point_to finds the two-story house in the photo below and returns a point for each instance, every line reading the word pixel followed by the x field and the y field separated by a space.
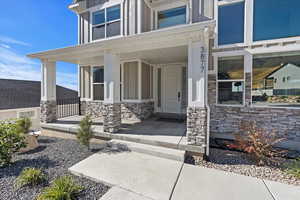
pixel 202 59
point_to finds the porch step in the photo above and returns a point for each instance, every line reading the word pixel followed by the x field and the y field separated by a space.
pixel 162 152
pixel 170 116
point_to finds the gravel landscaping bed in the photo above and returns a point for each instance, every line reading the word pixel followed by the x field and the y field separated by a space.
pixel 237 162
pixel 54 156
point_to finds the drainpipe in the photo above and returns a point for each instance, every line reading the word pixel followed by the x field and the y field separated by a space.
pixel 207 129
pixel 206 103
pixel 208 117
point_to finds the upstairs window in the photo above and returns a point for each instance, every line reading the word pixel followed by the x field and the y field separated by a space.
pixel 276 19
pixel 106 23
pixel 172 17
pixel 231 23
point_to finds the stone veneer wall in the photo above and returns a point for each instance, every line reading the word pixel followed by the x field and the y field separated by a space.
pixel 129 111
pixel 197 126
pixel 111 117
pixel 93 108
pixel 225 120
pixel 137 111
pixel 48 111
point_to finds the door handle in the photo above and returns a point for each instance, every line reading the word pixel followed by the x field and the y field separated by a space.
pixel 179 96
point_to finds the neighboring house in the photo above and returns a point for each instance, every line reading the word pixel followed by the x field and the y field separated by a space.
pixel 195 58
pixel 285 80
pixel 20 98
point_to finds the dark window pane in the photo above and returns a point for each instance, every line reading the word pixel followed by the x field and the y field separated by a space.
pixel 230 68
pixel 113 29
pixel 172 17
pixel 99 17
pixel 99 32
pixel 231 23
pixel 276 80
pixel 98 75
pixel 278 19
pixel 113 13
pixel 99 92
pixel 231 93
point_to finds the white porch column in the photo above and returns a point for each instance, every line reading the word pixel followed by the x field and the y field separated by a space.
pixel 112 105
pixel 197 68
pixel 48 92
pixel 197 84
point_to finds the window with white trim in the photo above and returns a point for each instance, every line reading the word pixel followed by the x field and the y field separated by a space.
pixel 106 22
pixel 279 19
pixel 230 80
pixel 98 83
pixel 172 17
pixel 231 22
pixel 276 80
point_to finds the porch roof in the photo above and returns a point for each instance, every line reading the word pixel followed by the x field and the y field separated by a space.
pixel 158 39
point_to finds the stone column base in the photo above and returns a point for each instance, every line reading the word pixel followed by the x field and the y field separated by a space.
pixel 112 117
pixel 197 126
pixel 48 111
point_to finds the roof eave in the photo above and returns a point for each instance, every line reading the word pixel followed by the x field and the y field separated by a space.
pixel 107 44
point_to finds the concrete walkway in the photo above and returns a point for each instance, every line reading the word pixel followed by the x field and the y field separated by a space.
pixel 137 176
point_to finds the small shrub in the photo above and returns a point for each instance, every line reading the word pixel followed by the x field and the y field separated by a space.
pixel 11 141
pixel 24 125
pixel 294 168
pixel 258 143
pixel 85 132
pixel 63 188
pixel 30 177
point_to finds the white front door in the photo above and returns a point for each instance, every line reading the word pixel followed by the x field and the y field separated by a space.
pixel 171 91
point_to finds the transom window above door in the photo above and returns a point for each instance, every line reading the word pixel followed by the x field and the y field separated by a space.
pixel 172 17
pixel 106 22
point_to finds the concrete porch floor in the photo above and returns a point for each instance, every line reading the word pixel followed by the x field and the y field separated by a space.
pixel 153 131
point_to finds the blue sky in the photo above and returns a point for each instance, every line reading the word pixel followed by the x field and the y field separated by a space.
pixel 28 26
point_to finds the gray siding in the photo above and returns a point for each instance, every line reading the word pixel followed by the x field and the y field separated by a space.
pixel 92 3
pixel 84 27
pixel 202 10
pixel 85 82
pixel 132 17
pixel 146 18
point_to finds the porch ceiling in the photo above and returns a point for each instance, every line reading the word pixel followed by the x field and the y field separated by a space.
pixel 160 56
pixel 150 46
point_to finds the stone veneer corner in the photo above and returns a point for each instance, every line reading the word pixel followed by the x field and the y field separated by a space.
pixel 197 126
pixel 48 111
pixel 112 117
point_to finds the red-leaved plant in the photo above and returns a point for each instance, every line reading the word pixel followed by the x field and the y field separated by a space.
pixel 258 143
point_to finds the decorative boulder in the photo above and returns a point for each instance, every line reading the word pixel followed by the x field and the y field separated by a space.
pixel 31 141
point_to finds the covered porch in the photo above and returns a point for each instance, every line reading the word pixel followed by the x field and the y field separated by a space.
pixel 153 131
pixel 126 81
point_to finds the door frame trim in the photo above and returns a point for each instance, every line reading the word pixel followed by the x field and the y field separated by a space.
pixel 155 86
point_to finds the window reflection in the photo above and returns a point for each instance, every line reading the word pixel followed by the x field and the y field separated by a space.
pixel 231 80
pixel 278 19
pixel 276 80
pixel 172 17
pixel 231 23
